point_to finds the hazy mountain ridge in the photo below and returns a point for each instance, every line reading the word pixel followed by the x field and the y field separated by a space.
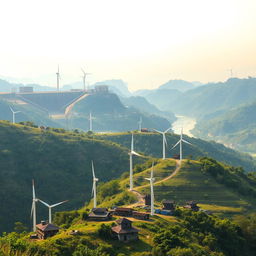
pixel 236 127
pixel 111 115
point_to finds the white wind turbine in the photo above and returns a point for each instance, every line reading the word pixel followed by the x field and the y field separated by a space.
pixel 151 180
pixel 90 121
pixel 13 114
pixel 33 208
pixel 84 77
pixel 140 123
pixel 58 79
pixel 94 188
pixel 180 142
pixel 50 207
pixel 131 153
pixel 164 139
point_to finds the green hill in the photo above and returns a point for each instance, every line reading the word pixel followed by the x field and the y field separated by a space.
pixel 151 144
pixel 60 163
pixel 186 233
pixel 235 128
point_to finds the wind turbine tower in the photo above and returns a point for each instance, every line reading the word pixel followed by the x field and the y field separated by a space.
pixel 90 121
pixel 94 192
pixel 180 142
pixel 164 140
pixel 13 114
pixel 151 180
pixel 84 77
pixel 140 123
pixel 33 208
pixel 50 208
pixel 131 153
pixel 58 79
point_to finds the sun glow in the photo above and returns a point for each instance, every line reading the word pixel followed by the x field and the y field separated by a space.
pixel 143 42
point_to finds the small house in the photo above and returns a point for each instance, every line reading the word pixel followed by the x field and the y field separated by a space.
pixel 168 205
pixel 122 211
pixel 124 230
pixel 99 214
pixel 192 205
pixel 176 156
pixel 45 230
pixel 147 199
pixel 140 215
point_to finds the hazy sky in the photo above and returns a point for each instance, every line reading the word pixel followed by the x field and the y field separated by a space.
pixel 143 42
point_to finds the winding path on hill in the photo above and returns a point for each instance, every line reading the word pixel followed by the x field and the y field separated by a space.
pixel 140 196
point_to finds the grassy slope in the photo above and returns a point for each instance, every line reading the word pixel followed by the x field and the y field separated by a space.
pixel 151 144
pixel 191 183
pixel 60 163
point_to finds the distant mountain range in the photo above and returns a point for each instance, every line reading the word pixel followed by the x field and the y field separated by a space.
pixel 236 128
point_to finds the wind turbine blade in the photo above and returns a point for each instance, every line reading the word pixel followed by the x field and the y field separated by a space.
pixel 167 129
pixel 157 131
pixel 135 153
pixel 83 71
pixel 176 144
pixel 165 141
pixel 147 179
pixel 33 189
pixel 44 203
pixel 186 142
pixel 11 109
pixel 93 174
pixel 92 189
pixel 53 205
pixel 32 209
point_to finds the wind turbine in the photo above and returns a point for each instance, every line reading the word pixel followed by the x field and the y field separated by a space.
pixel 84 77
pixel 90 121
pixel 94 188
pixel 164 139
pixel 33 208
pixel 50 207
pixel 151 180
pixel 140 123
pixel 131 153
pixel 180 142
pixel 58 79
pixel 13 115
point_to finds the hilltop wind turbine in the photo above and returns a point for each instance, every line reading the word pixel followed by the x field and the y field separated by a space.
pixel 140 123
pixel 180 142
pixel 84 77
pixel 94 188
pixel 13 114
pixel 50 207
pixel 164 139
pixel 58 79
pixel 33 208
pixel 131 153
pixel 151 180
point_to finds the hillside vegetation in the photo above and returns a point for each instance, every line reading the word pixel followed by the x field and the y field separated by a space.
pixel 186 233
pixel 151 144
pixel 60 163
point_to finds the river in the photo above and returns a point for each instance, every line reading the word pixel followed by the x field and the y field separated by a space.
pixel 186 122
